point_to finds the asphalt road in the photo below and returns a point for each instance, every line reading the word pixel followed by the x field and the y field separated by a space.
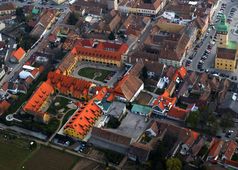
pixel 7 77
pixel 205 41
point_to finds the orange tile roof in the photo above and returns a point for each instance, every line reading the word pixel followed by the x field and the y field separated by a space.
pixel 216 148
pixel 165 101
pixel 69 85
pixel 38 98
pixel 82 120
pixel 231 163
pixel 192 137
pixel 19 53
pixel 177 113
pixel 230 149
pixel 4 105
pixel 180 72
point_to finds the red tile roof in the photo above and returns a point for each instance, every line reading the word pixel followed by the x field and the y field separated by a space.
pixel 230 149
pixel 177 113
pixel 19 53
pixel 4 105
pixel 164 101
pixel 216 148
pixel 231 163
pixel 106 50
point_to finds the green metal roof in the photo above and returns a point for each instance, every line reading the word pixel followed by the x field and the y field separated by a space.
pixel 222 25
pixel 232 45
pixel 141 109
pixel 35 11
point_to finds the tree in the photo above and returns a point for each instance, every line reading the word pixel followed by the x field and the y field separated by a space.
pixel 111 36
pixel 20 16
pixel 72 20
pixel 193 119
pixel 144 73
pixel 173 164
pixel 226 120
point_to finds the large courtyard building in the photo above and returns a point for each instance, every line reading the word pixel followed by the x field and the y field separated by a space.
pixel 100 52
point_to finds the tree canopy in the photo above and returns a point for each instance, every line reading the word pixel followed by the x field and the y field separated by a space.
pixel 173 164
pixel 72 20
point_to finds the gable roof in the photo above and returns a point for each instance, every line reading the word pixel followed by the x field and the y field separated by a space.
pixel 215 148
pixel 19 53
pixel 110 136
pixel 38 98
pixel 128 86
pixel 230 148
pixel 177 113
pixel 7 6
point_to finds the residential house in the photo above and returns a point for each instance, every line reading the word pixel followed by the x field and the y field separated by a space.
pixel 107 139
pixel 141 110
pixel 7 8
pixel 117 110
pixel 128 88
pixel 4 106
pixel 229 105
pixel 45 22
pixel 214 151
pixel 17 55
pixel 39 101
pixel 228 150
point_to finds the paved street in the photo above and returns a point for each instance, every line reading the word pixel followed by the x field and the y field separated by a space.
pixel 205 41
pixel 7 77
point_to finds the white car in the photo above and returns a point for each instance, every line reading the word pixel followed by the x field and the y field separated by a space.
pixel 212 42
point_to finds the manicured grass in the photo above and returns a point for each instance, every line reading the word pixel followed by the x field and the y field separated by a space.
pixel 50 159
pixel 13 153
pixel 62 105
pixel 91 72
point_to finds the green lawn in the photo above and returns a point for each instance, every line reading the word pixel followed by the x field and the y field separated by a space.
pixel 16 155
pixel 91 73
pixel 63 102
pixel 13 153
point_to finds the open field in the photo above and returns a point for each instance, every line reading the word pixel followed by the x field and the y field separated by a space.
pixel 50 159
pixel 84 164
pixel 13 153
pixel 94 73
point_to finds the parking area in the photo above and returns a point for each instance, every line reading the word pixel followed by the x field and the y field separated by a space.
pixel 202 57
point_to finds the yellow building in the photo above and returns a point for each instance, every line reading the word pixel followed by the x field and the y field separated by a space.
pixel 100 52
pixel 227 50
pixel 68 64
pixel 226 59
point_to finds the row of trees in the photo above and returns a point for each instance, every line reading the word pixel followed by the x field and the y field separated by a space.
pixel 205 120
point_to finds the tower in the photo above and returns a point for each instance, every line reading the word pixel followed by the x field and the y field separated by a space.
pixel 222 32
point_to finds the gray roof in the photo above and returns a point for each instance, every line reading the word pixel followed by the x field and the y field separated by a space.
pixel 229 103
